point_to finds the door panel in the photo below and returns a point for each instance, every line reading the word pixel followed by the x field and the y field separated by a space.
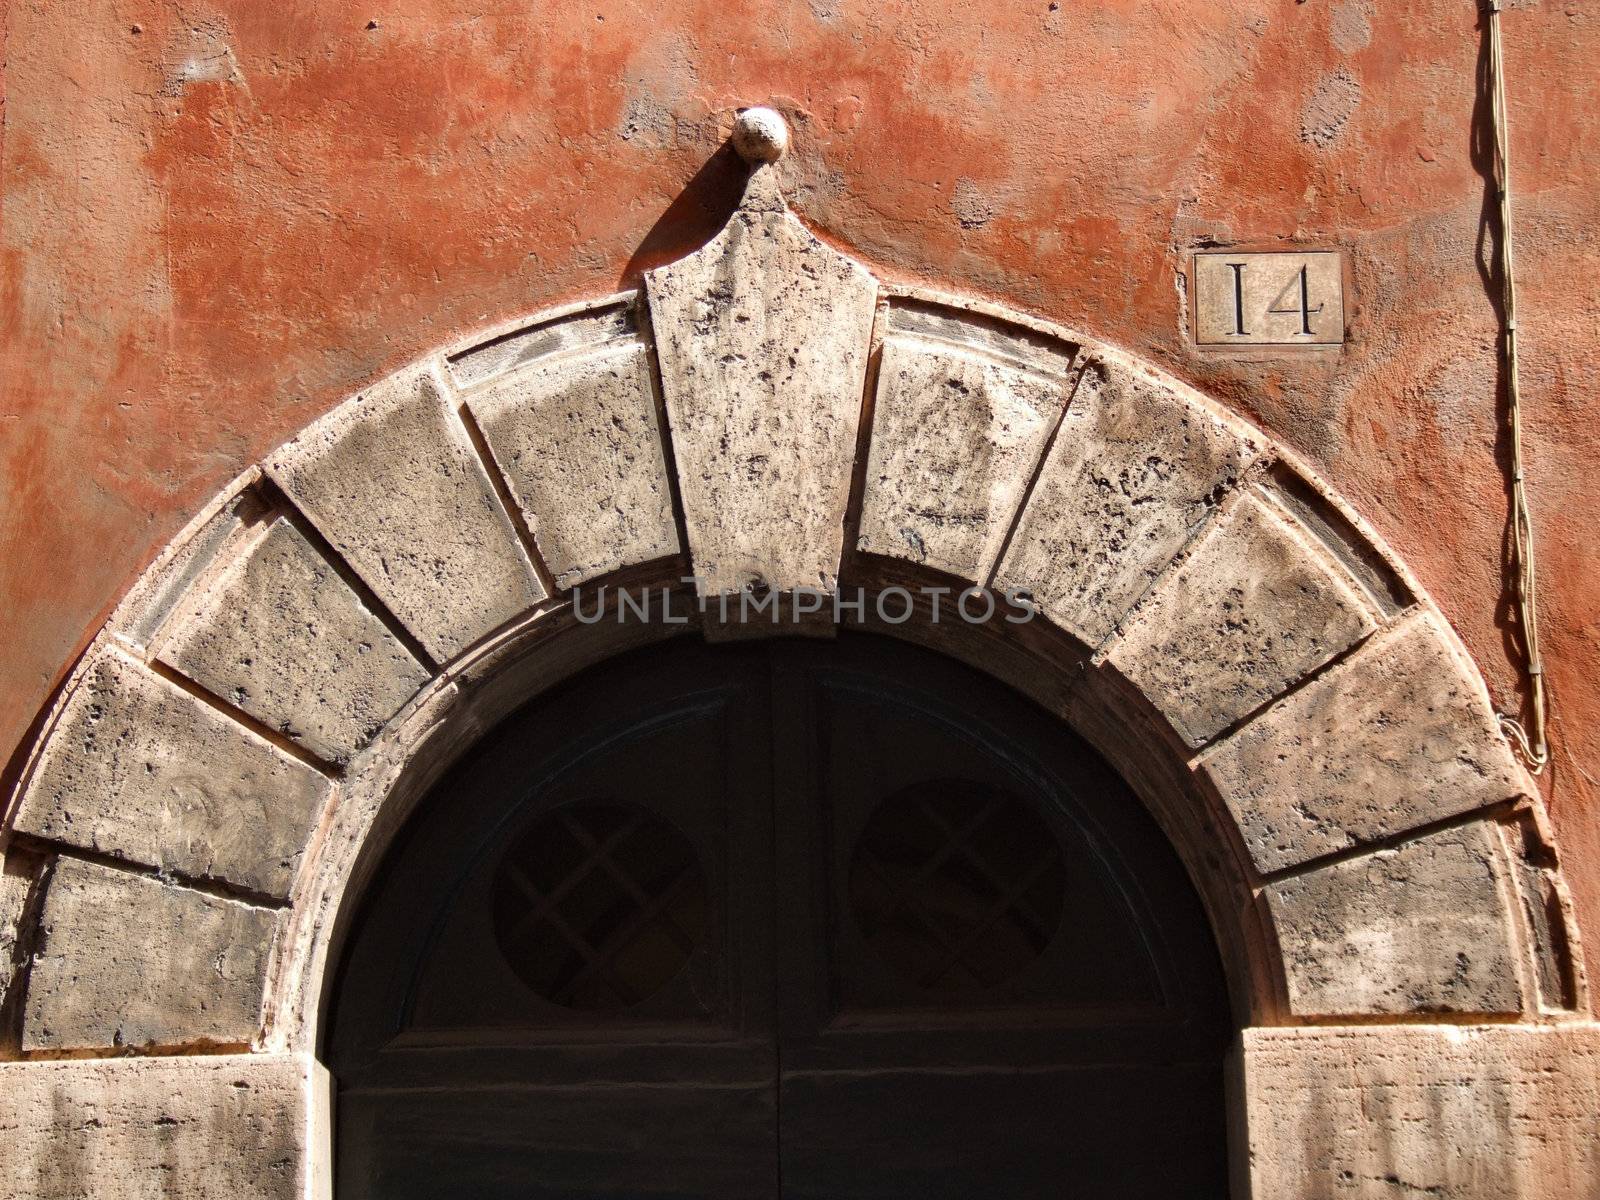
pixel 788 919
pixel 562 985
pixel 999 981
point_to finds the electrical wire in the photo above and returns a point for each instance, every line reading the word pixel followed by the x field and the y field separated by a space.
pixel 1530 739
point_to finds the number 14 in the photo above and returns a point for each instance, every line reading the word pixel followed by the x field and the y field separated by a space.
pixel 1297 281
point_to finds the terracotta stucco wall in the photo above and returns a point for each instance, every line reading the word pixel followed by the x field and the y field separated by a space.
pixel 219 218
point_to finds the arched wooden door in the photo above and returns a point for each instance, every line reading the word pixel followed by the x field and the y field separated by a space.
pixel 796 918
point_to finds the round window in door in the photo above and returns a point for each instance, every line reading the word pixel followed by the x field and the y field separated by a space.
pixel 789 919
pixel 599 905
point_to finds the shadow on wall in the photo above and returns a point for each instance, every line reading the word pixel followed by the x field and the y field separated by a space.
pixel 699 211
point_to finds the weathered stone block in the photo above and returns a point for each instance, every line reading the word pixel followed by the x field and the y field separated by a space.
pixel 1489 1112
pixel 16 884
pixel 1134 472
pixel 956 436
pixel 138 768
pixel 392 481
pixel 1423 927
pixel 577 439
pixel 763 338
pixel 241 1126
pixel 1254 609
pixel 283 637
pixel 1399 736
pixel 125 960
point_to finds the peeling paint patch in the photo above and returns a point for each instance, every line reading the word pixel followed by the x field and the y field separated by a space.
pixel 1350 25
pixel 647 122
pixel 201 54
pixel 972 208
pixel 1330 108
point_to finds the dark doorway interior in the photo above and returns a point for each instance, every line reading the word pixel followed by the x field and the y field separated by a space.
pixel 796 918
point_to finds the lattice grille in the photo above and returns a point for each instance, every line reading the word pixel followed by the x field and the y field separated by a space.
pixel 957 888
pixel 599 906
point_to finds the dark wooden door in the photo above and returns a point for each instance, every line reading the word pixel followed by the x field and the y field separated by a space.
pixel 997 980
pixel 795 919
pixel 561 984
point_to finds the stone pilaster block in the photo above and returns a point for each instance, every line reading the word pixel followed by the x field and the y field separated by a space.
pixel 763 338
pixel 1254 608
pixel 1396 1112
pixel 577 440
pixel 281 635
pixel 1399 736
pixel 1135 471
pixel 240 1126
pixel 391 479
pixel 956 436
pixel 1422 927
pixel 129 961
pixel 138 768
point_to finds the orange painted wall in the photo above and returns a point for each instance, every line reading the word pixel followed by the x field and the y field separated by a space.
pixel 219 217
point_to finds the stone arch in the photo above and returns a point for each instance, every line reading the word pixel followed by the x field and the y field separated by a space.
pixel 231 755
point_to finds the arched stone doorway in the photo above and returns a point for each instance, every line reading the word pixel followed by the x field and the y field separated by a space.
pixel 792 917
pixel 231 761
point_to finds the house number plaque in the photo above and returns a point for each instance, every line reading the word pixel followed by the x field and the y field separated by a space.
pixel 1269 299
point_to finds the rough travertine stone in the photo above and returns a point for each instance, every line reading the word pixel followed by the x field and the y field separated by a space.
pixel 138 768
pixel 391 480
pixel 125 960
pixel 1135 470
pixel 955 438
pixel 232 1126
pixel 282 636
pixel 1399 736
pixel 1423 927
pixel 761 135
pixel 16 882
pixel 577 440
pixel 1254 609
pixel 1487 1112
pixel 763 339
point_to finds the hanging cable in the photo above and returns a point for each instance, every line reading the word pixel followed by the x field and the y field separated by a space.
pixel 1529 739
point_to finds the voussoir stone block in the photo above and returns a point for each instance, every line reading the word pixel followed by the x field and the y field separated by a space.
pixel 281 635
pixel 1422 927
pixel 1254 608
pixel 16 883
pixel 125 960
pixel 240 1126
pixel 392 481
pixel 1399 736
pixel 763 338
pixel 138 768
pixel 577 439
pixel 956 436
pixel 1396 1112
pixel 1136 469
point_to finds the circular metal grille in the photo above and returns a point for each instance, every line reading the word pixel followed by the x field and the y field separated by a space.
pixel 599 905
pixel 956 887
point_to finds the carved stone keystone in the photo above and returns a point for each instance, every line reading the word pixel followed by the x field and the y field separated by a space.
pixel 763 337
